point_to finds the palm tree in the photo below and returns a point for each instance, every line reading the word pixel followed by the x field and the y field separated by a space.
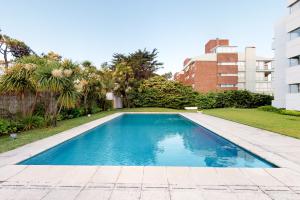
pixel 91 85
pixel 19 80
pixel 58 81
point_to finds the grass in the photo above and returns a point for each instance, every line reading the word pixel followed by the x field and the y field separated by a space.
pixel 282 124
pixel 6 143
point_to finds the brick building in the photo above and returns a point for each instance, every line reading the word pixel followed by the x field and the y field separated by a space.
pixel 222 67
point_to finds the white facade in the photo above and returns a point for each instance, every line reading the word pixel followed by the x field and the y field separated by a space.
pixel 117 101
pixel 254 72
pixel 287 59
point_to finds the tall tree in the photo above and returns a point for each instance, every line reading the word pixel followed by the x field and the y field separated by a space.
pixel 14 47
pixel 124 80
pixel 144 63
pixel 90 85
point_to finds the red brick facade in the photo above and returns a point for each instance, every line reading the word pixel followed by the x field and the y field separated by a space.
pixel 211 44
pixel 206 75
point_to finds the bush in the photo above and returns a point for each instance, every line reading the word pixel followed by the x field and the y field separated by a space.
pixel 39 110
pixel 108 105
pixel 95 109
pixel 71 113
pixel 269 109
pixel 7 127
pixel 32 122
pixel 290 112
pixel 159 92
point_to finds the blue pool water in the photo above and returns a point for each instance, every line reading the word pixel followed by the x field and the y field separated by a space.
pixel 149 140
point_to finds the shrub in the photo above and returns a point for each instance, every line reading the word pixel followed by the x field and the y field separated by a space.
pixel 108 105
pixel 39 110
pixel 159 92
pixel 290 112
pixel 269 109
pixel 95 109
pixel 32 122
pixel 7 127
pixel 71 113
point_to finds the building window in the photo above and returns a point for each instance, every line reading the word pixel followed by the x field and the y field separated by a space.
pixel 241 66
pixel 226 49
pixel 294 7
pixel 227 85
pixel 294 88
pixel 227 63
pixel 241 76
pixel 294 61
pixel 295 34
pixel 228 74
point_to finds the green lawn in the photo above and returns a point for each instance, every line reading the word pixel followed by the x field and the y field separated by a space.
pixel 6 143
pixel 283 124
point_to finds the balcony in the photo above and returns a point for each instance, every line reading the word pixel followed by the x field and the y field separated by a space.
pixel 263 79
pixel 264 69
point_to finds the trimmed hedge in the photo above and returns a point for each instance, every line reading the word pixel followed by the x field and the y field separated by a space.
pixel 160 92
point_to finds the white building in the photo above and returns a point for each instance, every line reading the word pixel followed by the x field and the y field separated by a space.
pixel 287 59
pixel 254 72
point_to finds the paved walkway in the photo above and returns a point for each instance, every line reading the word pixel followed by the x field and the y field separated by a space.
pixel 106 182
pixel 91 182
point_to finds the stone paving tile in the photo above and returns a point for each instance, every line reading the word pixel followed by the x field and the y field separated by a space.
pixel 131 175
pixel 233 176
pixel 252 196
pixel 276 195
pixel 77 176
pixel 179 176
pixel 128 194
pixel 65 194
pixel 38 175
pixel 205 176
pixel 22 194
pixel 260 177
pixel 94 194
pixel 162 194
pixel 285 176
pixel 186 194
pixel 10 170
pixel 155 176
pixel 219 195
pixel 106 174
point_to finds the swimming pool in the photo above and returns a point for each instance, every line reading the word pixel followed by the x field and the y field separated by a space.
pixel 149 140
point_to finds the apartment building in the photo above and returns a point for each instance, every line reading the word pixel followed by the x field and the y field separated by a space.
pixel 222 67
pixel 287 59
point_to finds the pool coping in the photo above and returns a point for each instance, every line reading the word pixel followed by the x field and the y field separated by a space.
pixel 29 150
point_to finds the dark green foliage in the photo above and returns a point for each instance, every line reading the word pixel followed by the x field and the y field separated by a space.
pixel 7 127
pixel 237 99
pixel 71 113
pixel 142 62
pixel 269 109
pixel 160 92
pixel 280 111
pixel 32 122
pixel 290 112
pixel 39 110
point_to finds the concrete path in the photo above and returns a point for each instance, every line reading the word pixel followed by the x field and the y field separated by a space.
pixel 116 182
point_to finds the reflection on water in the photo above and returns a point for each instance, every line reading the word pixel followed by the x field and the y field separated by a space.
pixel 157 140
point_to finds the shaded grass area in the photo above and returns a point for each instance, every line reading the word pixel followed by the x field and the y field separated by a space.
pixel 6 143
pixel 282 124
